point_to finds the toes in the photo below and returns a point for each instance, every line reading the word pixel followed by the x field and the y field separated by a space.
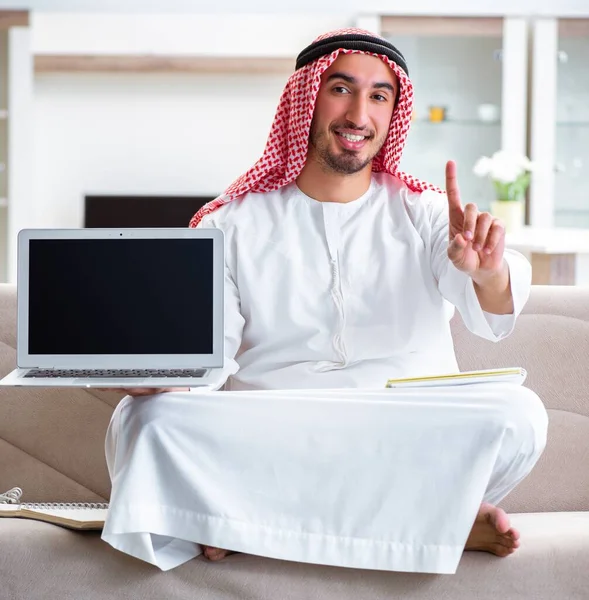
pixel 507 543
pixel 498 518
pixel 501 550
pixel 215 557
pixel 215 553
pixel 210 552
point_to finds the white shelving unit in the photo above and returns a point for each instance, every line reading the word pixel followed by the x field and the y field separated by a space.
pixel 3 155
pixel 16 109
pixel 559 195
pixel 460 63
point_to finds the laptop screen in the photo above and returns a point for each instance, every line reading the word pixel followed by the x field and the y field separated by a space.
pixel 120 296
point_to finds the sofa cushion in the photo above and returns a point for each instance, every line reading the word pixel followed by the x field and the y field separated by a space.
pixel 560 480
pixel 551 341
pixel 39 561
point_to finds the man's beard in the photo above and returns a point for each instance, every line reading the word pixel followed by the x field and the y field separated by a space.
pixel 346 162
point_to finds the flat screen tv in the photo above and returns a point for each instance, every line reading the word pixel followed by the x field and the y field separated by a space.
pixel 141 211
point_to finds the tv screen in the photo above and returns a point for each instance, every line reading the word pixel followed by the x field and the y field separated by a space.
pixel 141 211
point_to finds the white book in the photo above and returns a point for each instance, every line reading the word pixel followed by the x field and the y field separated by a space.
pixel 515 375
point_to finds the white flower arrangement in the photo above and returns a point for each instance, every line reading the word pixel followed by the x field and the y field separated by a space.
pixel 510 173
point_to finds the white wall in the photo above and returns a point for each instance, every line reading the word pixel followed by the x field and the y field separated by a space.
pixel 203 34
pixel 3 156
pixel 145 134
pixel 153 133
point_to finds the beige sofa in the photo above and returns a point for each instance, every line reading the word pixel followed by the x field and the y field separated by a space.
pixel 51 445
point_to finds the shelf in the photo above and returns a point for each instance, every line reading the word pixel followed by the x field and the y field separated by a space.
pixel 550 240
pixel 14 18
pixel 49 63
pixel 461 122
pixel 573 27
pixel 442 26
pixel 572 123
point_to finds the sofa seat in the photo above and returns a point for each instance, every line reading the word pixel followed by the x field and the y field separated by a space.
pixel 52 446
pixel 49 562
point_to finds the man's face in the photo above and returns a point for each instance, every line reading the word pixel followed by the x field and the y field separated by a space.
pixel 353 113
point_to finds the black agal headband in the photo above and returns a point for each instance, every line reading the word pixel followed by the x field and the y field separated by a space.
pixel 352 41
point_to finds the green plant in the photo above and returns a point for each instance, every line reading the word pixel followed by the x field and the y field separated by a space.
pixel 509 172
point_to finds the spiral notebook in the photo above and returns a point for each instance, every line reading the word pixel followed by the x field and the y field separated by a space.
pixel 89 516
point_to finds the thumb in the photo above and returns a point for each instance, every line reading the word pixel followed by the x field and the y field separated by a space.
pixel 456 248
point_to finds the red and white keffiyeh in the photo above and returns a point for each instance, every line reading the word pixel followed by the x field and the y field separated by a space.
pixel 286 150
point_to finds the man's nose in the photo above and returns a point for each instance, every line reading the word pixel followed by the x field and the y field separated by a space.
pixel 358 112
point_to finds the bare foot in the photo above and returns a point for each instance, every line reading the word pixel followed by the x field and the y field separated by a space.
pixel 492 533
pixel 215 553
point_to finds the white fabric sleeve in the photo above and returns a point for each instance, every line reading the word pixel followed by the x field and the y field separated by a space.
pixel 234 321
pixel 458 288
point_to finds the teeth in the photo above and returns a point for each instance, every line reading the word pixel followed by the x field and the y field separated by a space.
pixel 352 138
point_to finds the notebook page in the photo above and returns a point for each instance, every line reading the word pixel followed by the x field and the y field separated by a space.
pixel 9 510
pixel 81 515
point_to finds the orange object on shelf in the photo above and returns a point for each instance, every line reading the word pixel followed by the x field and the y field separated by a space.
pixel 437 114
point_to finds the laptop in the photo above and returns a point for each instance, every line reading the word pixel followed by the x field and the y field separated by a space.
pixel 119 308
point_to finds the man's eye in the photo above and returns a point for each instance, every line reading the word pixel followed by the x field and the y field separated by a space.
pixel 380 97
pixel 340 89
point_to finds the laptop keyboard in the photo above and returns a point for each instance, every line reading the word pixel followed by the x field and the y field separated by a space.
pixel 169 373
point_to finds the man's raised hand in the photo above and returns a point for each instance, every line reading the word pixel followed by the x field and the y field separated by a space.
pixel 476 239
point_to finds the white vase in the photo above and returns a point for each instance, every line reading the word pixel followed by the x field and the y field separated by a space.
pixel 511 213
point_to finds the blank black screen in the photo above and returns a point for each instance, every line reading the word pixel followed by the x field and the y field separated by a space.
pixel 121 296
pixel 141 211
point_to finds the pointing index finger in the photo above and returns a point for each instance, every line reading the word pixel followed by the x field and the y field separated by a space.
pixel 452 190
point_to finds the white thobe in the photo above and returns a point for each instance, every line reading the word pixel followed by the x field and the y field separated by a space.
pixel 306 457
pixel 330 295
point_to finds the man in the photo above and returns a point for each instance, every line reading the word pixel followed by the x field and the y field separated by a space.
pixel 341 273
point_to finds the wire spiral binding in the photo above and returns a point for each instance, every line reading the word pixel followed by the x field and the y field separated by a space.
pixel 64 505
pixel 13 496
